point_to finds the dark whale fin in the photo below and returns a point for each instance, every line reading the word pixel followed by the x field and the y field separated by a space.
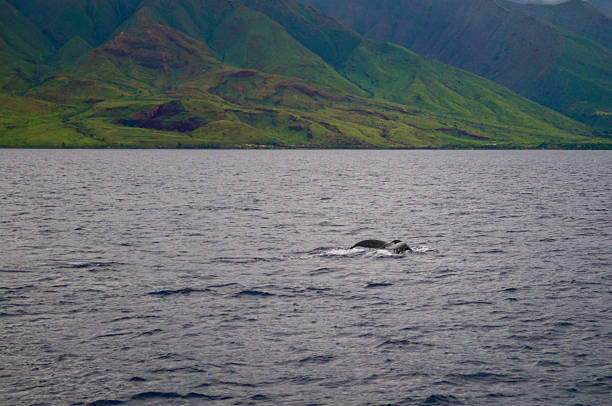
pixel 397 246
pixel 370 244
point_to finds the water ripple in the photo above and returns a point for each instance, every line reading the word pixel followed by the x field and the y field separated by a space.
pixel 223 277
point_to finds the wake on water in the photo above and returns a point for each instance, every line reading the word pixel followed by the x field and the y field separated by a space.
pixel 368 252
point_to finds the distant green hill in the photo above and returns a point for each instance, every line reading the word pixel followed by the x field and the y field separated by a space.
pixel 22 45
pixel 605 6
pixel 567 66
pixel 576 16
pixel 92 20
pixel 252 73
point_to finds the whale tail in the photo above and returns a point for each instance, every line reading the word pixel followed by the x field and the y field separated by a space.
pixel 397 246
pixel 370 244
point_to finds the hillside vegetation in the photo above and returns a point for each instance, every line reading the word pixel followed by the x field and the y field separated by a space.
pixel 243 74
pixel 558 56
pixel 576 16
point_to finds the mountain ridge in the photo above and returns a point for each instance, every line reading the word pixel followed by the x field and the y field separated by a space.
pixel 218 73
pixel 576 16
pixel 504 42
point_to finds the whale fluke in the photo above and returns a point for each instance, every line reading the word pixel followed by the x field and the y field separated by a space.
pixel 397 246
pixel 370 244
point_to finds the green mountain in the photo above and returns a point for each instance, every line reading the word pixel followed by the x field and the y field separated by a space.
pixel 557 56
pixel 576 16
pixel 22 45
pixel 229 73
pixel 92 20
pixel 605 6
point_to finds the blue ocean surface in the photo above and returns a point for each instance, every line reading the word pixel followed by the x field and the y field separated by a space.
pixel 224 277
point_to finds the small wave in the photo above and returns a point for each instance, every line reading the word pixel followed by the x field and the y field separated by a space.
pixel 250 292
pixel 548 363
pixel 150 332
pixel 321 271
pixel 491 251
pixel 472 302
pixel 326 223
pixel 442 400
pixel 261 397
pixel 18 314
pixel 112 335
pixel 223 285
pixel 189 369
pixel 106 402
pixel 232 383
pixel 8 289
pixel 174 395
pixel 317 359
pixel 318 290
pixel 488 377
pixel 184 291
pixel 498 395
pixel 402 343
pixel 63 357
pixel 131 318
pixel 304 379
pixel 91 264
pixel 378 285
pixel 245 260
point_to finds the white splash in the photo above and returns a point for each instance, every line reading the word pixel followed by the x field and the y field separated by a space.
pixel 369 252
pixel 382 253
pixel 422 249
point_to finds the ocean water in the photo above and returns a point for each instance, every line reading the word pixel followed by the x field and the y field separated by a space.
pixel 224 277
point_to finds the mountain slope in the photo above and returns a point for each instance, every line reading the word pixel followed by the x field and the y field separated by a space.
pixel 240 36
pixel 605 6
pixel 550 65
pixel 223 73
pixel 92 20
pixel 576 16
pixel 22 45
pixel 392 72
pixel 321 34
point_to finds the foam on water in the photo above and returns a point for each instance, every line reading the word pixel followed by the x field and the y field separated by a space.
pixel 340 252
pixel 357 252
pixel 422 249
pixel 370 252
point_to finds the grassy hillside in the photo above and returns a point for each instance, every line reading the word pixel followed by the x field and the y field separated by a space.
pixel 242 37
pixel 318 32
pixel 22 47
pixel 605 6
pixel 92 20
pixel 395 74
pixel 218 73
pixel 576 16
pixel 581 84
pixel 391 72
pixel 522 51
